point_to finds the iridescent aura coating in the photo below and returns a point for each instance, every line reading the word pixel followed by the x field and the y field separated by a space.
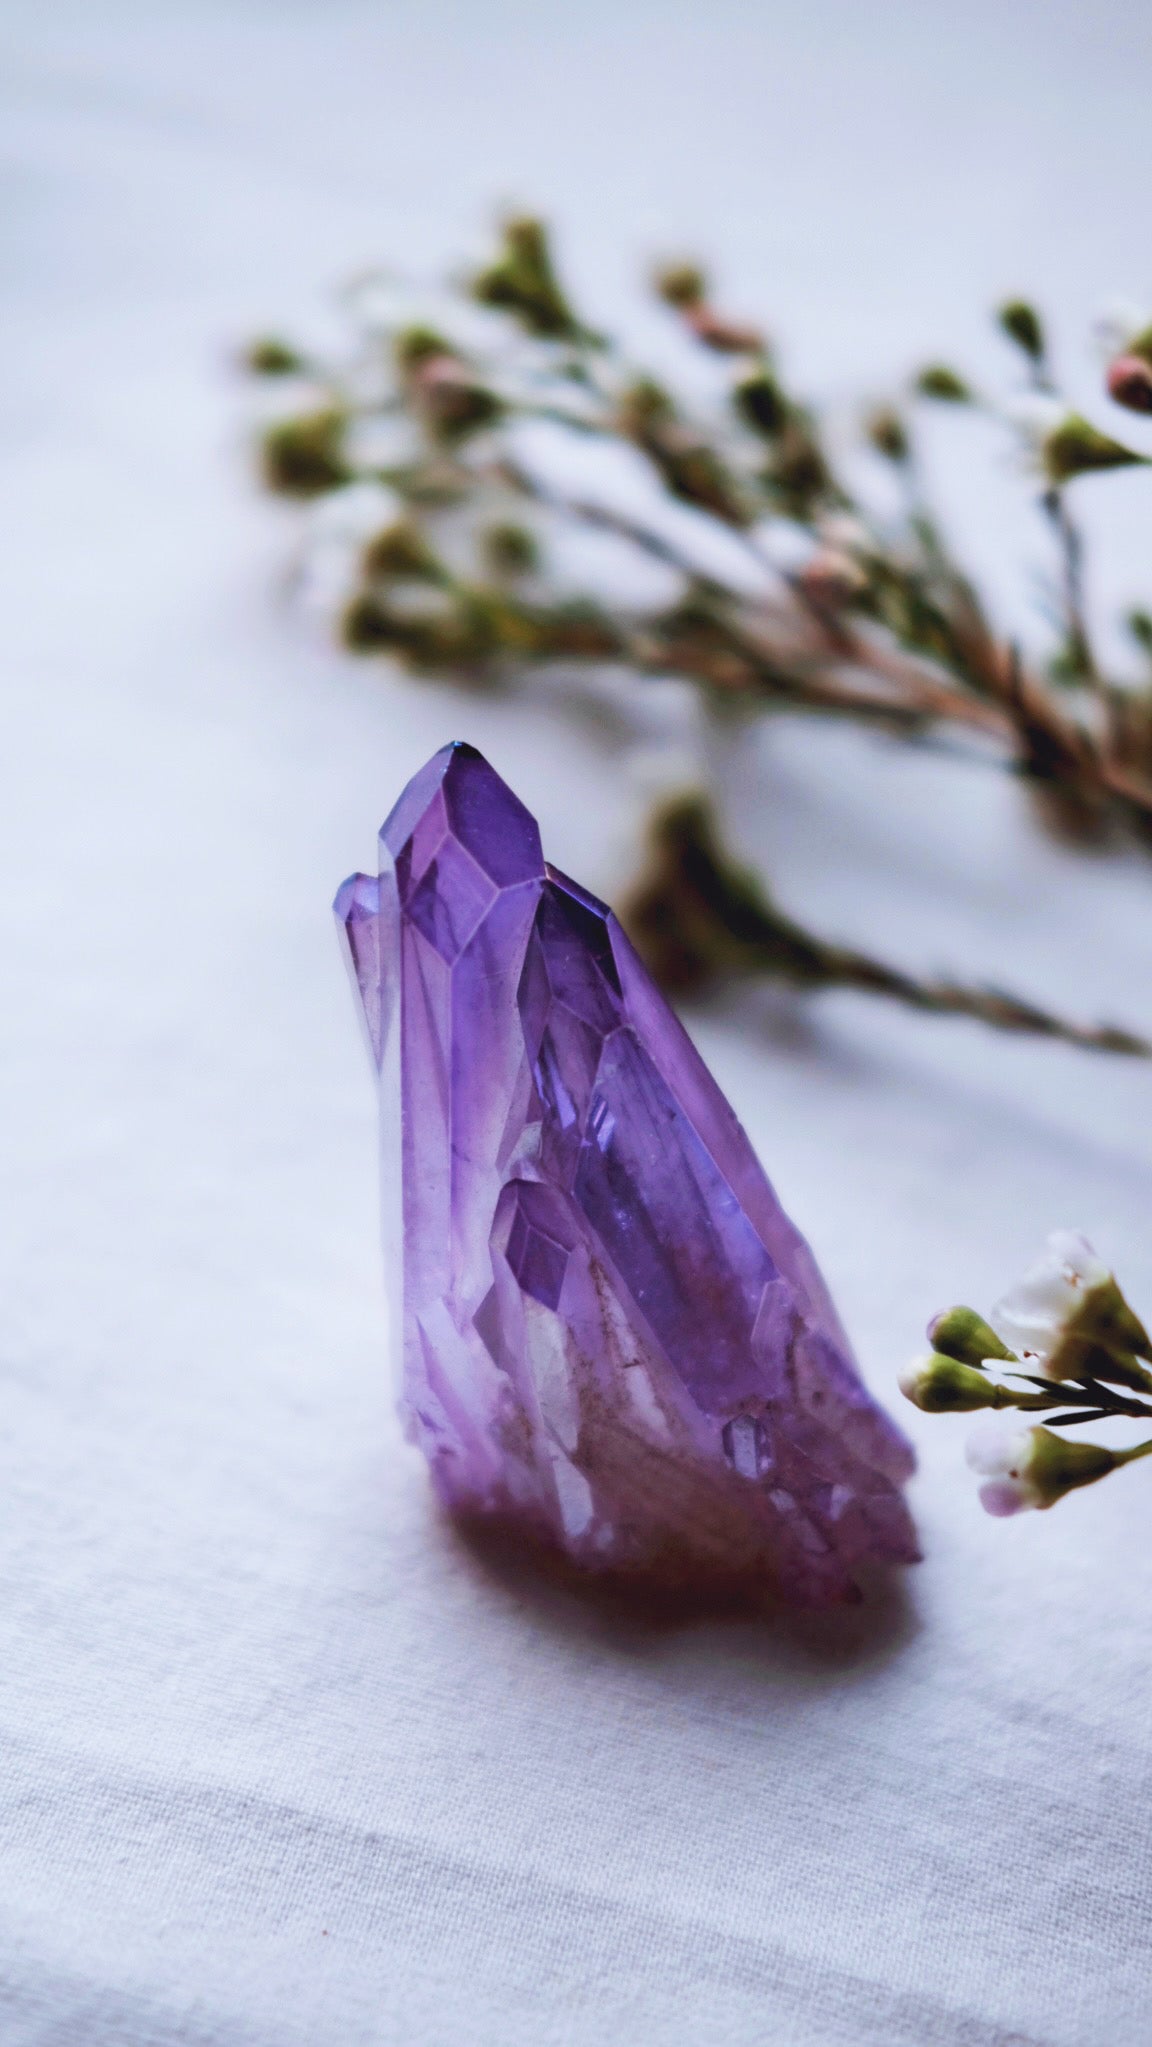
pixel 612 1339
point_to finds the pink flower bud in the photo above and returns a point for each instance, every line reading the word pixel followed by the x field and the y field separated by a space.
pixel 727 337
pixel 831 577
pixel 1130 383
pixel 1003 1496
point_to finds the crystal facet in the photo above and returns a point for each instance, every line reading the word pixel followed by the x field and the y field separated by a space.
pixel 611 1338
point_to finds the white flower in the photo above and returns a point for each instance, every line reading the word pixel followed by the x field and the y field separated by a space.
pixel 911 1378
pixel 1036 1316
pixel 1001 1453
pixel 1035 1467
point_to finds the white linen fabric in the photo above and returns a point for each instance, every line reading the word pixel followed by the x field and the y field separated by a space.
pixel 282 1763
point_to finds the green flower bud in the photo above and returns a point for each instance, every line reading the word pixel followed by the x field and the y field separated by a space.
pixel 443 389
pixel 888 435
pixel 644 407
pixel 798 478
pixel 400 550
pixel 942 1385
pixel 962 1333
pixel 270 357
pixel 1034 1467
pixel 690 467
pixel 681 284
pixel 509 550
pixel 1074 447
pixel 304 457
pixel 414 346
pixel 1022 324
pixel 522 281
pixel 761 403
pixel 440 634
pixel 938 381
pixel 1058 1464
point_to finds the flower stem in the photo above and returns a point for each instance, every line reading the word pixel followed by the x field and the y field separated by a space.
pixel 1135 1450
pixel 697 917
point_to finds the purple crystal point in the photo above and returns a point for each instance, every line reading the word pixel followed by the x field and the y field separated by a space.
pixel 611 1337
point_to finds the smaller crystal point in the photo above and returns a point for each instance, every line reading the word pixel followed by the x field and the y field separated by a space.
pixel 357 908
pixel 613 1341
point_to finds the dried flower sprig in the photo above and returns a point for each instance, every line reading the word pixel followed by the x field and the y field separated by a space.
pixel 1067 1335
pixel 695 912
pixel 456 571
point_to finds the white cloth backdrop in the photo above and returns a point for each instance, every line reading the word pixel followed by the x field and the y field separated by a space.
pixel 281 1763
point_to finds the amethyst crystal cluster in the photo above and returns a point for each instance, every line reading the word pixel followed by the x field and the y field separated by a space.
pixel 613 1341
